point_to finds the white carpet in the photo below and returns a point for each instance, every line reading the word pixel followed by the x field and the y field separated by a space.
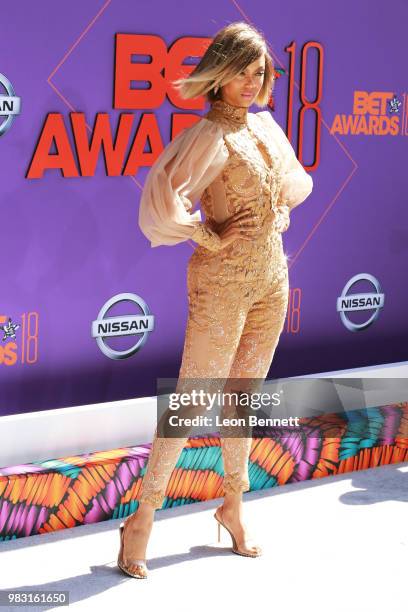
pixel 338 544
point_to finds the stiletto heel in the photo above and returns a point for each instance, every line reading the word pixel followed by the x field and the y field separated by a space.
pixel 139 564
pixel 235 548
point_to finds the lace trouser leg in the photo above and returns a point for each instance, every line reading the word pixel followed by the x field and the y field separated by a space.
pixel 263 326
pixel 213 331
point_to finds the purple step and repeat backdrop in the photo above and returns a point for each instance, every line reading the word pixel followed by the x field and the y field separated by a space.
pixel 89 312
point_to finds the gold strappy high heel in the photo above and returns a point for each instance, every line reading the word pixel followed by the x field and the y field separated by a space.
pixel 137 567
pixel 235 548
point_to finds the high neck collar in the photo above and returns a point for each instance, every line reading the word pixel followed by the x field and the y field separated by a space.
pixel 237 114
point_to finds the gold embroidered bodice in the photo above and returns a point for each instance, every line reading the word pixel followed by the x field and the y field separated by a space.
pixel 251 177
pixel 229 159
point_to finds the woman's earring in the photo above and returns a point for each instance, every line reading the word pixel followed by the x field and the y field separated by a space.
pixel 216 89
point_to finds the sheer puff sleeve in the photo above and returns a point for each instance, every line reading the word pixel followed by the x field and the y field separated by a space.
pixel 297 185
pixel 185 167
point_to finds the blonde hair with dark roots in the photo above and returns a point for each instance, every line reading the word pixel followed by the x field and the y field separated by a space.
pixel 233 48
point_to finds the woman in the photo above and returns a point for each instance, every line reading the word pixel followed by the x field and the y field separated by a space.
pixel 245 172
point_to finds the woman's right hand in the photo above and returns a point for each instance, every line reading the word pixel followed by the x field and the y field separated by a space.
pixel 237 226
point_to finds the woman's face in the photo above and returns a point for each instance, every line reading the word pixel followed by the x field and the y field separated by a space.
pixel 244 88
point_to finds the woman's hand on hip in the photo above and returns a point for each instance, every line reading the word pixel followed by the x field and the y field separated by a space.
pixel 238 226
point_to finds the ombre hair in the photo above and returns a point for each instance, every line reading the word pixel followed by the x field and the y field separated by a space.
pixel 233 48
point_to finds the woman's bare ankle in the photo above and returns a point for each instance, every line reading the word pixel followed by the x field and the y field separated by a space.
pixel 143 517
pixel 146 510
pixel 232 502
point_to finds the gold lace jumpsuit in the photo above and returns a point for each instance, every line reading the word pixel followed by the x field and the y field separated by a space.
pixel 230 160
